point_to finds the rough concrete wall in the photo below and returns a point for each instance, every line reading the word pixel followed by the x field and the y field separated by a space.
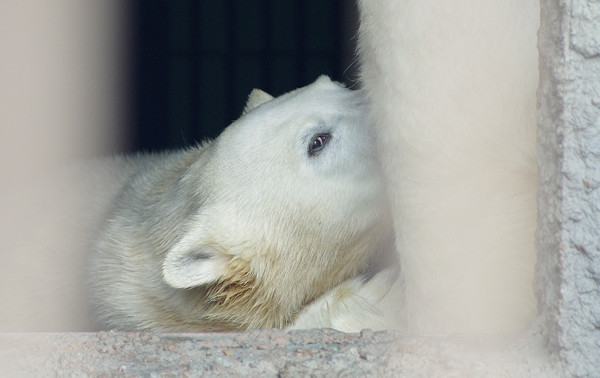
pixel 569 201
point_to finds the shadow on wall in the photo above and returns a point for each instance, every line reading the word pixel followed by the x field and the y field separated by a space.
pixel 195 62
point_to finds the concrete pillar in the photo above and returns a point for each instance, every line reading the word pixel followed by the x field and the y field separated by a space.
pixel 568 281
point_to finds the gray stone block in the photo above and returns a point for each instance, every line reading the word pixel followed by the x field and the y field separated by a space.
pixel 271 353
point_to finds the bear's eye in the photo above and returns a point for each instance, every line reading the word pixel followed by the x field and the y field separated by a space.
pixel 317 143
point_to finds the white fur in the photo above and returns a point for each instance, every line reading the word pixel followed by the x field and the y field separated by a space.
pixel 354 305
pixel 246 231
pixel 452 89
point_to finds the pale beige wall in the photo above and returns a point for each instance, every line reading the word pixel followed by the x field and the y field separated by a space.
pixel 62 67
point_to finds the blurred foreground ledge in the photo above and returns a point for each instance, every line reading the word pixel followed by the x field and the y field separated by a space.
pixel 273 353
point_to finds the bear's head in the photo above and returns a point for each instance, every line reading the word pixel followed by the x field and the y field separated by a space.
pixel 293 203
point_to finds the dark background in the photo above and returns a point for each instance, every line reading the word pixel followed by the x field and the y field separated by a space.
pixel 195 62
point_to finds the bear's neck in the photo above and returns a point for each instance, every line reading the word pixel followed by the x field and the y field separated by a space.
pixel 243 302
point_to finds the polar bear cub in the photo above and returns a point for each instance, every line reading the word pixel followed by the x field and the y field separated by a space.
pixel 247 230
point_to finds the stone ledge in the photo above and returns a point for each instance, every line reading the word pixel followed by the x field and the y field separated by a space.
pixel 272 353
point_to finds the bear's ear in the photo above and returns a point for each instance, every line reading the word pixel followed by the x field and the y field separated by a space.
pixel 186 267
pixel 256 98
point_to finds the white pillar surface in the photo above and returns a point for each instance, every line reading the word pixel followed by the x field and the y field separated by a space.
pixel 568 281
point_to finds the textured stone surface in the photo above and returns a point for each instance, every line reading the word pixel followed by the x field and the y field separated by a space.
pixel 569 160
pixel 271 353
